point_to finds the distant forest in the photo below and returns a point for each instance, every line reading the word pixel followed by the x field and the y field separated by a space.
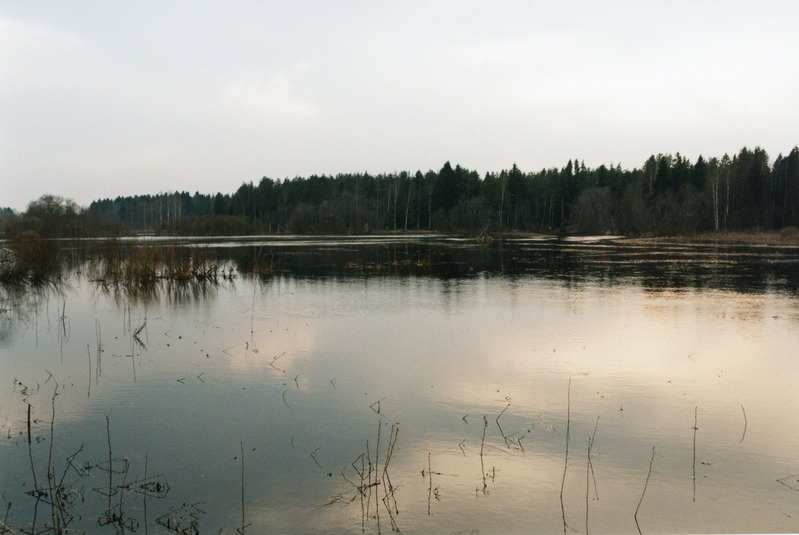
pixel 668 195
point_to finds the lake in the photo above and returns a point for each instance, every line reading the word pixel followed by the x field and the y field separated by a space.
pixel 415 384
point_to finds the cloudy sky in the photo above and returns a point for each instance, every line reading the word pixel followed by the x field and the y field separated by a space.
pixel 100 99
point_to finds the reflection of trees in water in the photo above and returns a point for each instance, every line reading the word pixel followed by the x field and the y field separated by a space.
pixel 21 305
pixel 160 290
pixel 132 272
pixel 733 268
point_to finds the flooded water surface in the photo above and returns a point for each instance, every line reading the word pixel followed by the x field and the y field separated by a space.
pixel 415 385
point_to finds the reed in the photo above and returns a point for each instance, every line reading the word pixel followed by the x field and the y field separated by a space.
pixel 430 482
pixel 89 388
pixel 142 267
pixel 6 529
pixel 98 369
pixel 54 491
pixel 482 448
pixel 61 498
pixel 138 331
pixel 54 494
pixel 30 452
pixel 244 525
pixel 646 483
pixel 371 476
pixel 695 428
pixel 110 460
pixel 29 259
pixel 589 471
pixel 745 425
pixel 566 456
pixel 63 332
pixel 144 496
pixel 389 499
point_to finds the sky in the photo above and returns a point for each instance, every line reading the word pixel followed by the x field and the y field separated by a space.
pixel 103 99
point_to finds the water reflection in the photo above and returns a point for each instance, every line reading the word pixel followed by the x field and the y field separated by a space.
pixel 169 291
pixel 429 394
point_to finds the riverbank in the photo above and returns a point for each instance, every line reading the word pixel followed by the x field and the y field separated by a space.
pixel 786 237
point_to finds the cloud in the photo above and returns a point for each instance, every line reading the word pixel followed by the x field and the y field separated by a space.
pixel 36 57
pixel 194 96
pixel 115 126
pixel 274 97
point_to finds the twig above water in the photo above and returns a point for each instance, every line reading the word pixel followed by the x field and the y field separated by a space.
pixel 566 457
pixel 243 525
pixel 275 359
pixel 695 428
pixel 646 483
pixel 745 425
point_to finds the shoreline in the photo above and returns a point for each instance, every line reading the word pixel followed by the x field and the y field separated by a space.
pixel 786 237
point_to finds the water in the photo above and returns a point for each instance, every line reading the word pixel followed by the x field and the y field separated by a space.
pixel 260 402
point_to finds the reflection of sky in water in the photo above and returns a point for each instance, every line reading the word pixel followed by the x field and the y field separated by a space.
pixel 293 369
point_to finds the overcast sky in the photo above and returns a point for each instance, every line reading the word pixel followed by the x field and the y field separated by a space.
pixel 100 99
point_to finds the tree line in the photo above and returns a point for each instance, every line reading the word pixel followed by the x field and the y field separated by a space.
pixel 668 195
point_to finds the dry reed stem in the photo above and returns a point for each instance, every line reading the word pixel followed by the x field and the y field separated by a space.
pixel 745 425
pixel 590 462
pixel 430 482
pixel 243 525
pixel 646 483
pixel 6 529
pixel 144 496
pixel 482 446
pixel 566 459
pixel 587 484
pixel 54 506
pixel 89 389
pixel 30 451
pixel 589 471
pixel 695 428
pixel 501 431
pixel 110 462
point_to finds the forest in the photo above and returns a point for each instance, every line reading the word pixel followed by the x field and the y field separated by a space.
pixel 667 195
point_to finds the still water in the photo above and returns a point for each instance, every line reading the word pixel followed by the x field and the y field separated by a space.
pixel 418 385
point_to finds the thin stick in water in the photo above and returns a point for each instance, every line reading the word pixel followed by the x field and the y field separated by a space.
pixel 589 470
pixel 745 425
pixel 56 512
pixel 482 446
pixel 566 459
pixel 694 459
pixel 501 432
pixel 144 495
pixel 89 389
pixel 430 482
pixel 243 525
pixel 110 461
pixel 30 451
pixel 5 521
pixel 590 462
pixel 241 445
pixel 635 516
